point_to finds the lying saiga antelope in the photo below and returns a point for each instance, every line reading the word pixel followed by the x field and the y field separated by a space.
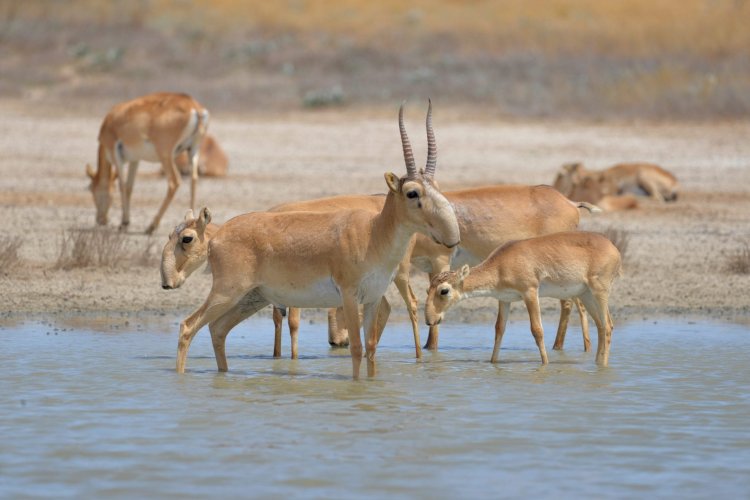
pixel 561 265
pixel 156 128
pixel 316 259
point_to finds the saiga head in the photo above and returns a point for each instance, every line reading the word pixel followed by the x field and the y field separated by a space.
pixel 102 186
pixel 187 248
pixel 445 290
pixel 417 193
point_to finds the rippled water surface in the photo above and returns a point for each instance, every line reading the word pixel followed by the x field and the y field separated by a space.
pixel 87 413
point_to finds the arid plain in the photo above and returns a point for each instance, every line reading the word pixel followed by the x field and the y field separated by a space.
pixel 675 263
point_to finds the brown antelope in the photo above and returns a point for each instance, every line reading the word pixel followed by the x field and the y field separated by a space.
pixel 212 160
pixel 615 186
pixel 155 127
pixel 561 265
pixel 321 259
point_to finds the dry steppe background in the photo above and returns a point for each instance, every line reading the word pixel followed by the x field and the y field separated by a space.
pixel 304 98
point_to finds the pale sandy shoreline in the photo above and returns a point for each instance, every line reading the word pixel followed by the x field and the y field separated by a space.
pixel 674 266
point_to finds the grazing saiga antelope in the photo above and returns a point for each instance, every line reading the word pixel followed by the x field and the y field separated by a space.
pixel 156 128
pixel 561 265
pixel 321 259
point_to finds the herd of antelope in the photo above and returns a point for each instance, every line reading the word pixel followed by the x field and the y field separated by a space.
pixel 343 252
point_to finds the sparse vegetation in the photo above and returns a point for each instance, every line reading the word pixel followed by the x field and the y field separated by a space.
pixel 9 257
pixel 620 238
pixel 739 261
pixel 102 247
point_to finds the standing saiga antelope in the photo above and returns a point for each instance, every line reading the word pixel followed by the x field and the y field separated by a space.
pixel 561 265
pixel 318 259
pixel 156 128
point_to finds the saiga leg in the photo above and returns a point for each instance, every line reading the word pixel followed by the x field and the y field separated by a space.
pixel 351 313
pixel 503 311
pixel 293 321
pixel 531 299
pixel 173 182
pixel 584 324
pixel 278 321
pixel 410 300
pixel 566 306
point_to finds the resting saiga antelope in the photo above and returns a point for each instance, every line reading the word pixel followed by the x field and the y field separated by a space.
pixel 319 259
pixel 157 128
pixel 561 265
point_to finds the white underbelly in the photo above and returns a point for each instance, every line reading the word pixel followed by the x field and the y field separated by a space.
pixel 323 293
pixel 144 151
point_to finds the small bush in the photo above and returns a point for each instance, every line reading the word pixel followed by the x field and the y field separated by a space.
pixel 91 248
pixel 9 258
pixel 739 261
pixel 333 96
pixel 619 238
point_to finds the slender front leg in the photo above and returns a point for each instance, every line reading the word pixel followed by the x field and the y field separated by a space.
pixel 351 313
pixel 371 328
pixel 566 305
pixel 410 300
pixel 584 324
pixel 278 320
pixel 531 299
pixel 503 311
pixel 384 312
pixel 212 309
pixel 173 182
pixel 293 322
pixel 220 328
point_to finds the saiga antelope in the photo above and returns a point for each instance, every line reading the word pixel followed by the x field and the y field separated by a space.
pixel 156 128
pixel 561 265
pixel 317 259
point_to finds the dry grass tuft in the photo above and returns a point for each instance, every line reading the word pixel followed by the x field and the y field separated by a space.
pixel 90 248
pixel 103 248
pixel 739 261
pixel 619 238
pixel 9 258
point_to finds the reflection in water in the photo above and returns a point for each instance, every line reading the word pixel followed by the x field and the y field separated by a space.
pixel 86 413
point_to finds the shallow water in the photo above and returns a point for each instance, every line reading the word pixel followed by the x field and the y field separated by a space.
pixel 87 413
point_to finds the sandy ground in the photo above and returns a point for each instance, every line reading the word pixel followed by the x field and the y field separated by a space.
pixel 674 266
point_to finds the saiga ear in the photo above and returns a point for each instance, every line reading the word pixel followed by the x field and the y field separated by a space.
pixel 393 181
pixel 204 217
pixel 90 171
pixel 464 272
pixel 189 215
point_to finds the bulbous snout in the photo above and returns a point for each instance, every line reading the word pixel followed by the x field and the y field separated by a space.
pixel 444 229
